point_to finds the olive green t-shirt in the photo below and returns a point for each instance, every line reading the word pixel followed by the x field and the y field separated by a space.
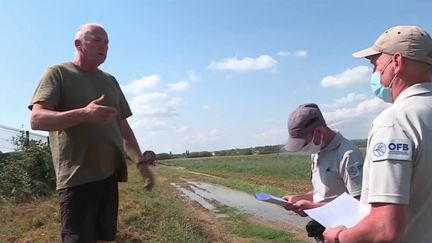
pixel 88 151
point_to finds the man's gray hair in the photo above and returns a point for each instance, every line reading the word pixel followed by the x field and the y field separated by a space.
pixel 84 29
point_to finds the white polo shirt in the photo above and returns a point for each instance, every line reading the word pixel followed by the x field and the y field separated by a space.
pixel 398 165
pixel 336 169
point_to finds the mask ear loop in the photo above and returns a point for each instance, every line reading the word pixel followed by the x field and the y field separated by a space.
pixel 385 66
pixel 391 83
pixel 320 142
pixel 313 138
pixel 393 79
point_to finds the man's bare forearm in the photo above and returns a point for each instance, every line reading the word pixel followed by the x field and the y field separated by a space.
pixel 49 120
pixel 130 143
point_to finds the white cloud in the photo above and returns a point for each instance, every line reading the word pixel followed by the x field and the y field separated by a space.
pixel 138 85
pixel 214 131
pixel 200 137
pixel 206 107
pixel 355 122
pixel 298 53
pixel 192 75
pixel 301 53
pixel 273 132
pixel 150 124
pixel 348 99
pixel 356 76
pixel 182 129
pixel 179 86
pixel 283 53
pixel 271 136
pixel 370 107
pixel 155 105
pixel 245 64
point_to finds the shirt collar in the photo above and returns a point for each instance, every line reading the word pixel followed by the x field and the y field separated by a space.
pixel 334 143
pixel 416 89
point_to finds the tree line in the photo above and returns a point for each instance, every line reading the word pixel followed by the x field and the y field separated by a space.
pixel 268 149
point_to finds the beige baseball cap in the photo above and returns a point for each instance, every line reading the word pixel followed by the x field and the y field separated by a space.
pixel 302 121
pixel 410 41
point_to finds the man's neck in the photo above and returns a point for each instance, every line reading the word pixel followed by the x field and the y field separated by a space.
pixel 85 66
pixel 330 134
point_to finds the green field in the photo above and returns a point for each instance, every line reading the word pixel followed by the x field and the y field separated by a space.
pixel 275 173
pixel 161 215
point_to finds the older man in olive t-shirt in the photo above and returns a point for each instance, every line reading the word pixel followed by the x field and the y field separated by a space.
pixel 88 151
pixel 85 112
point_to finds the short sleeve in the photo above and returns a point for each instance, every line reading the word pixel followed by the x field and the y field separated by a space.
pixel 125 110
pixel 48 89
pixel 390 169
pixel 352 171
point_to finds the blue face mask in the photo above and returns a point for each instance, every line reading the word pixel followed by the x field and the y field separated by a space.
pixel 379 90
pixel 384 93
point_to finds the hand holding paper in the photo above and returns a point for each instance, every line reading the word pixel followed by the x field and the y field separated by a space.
pixel 273 199
pixel 341 211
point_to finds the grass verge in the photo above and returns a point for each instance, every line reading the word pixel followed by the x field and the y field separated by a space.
pixel 161 215
pixel 239 224
pixel 144 216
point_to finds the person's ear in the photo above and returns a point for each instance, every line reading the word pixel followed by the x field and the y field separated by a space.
pixel 77 44
pixel 398 62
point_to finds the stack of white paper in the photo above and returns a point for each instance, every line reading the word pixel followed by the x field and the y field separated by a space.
pixel 344 210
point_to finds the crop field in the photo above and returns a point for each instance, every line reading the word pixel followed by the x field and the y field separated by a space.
pixel 162 215
pixel 277 173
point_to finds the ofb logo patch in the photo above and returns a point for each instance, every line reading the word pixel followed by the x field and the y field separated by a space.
pixel 392 149
pixel 379 149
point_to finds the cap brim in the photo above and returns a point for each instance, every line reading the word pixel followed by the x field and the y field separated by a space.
pixel 294 144
pixel 366 53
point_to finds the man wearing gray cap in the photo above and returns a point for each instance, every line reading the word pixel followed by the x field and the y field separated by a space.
pixel 337 163
pixel 396 197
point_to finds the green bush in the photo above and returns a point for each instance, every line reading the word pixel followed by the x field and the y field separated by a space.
pixel 27 172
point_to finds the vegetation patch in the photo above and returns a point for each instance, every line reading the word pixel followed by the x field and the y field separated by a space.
pixel 26 173
pixel 240 225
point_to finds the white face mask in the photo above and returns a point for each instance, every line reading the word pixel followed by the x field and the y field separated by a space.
pixel 311 147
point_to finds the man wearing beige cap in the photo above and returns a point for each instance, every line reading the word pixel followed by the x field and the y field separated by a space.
pixel 337 163
pixel 396 196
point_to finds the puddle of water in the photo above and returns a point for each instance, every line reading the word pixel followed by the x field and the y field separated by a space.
pixel 203 193
pixel 190 194
pixel 198 173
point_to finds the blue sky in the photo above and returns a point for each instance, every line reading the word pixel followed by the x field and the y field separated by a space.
pixel 210 75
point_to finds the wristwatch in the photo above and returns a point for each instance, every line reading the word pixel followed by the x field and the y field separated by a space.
pixel 336 240
pixel 149 157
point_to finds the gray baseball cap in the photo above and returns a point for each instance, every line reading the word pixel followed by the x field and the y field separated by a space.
pixel 410 41
pixel 301 122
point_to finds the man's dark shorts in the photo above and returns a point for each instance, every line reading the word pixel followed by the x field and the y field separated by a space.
pixel 89 211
